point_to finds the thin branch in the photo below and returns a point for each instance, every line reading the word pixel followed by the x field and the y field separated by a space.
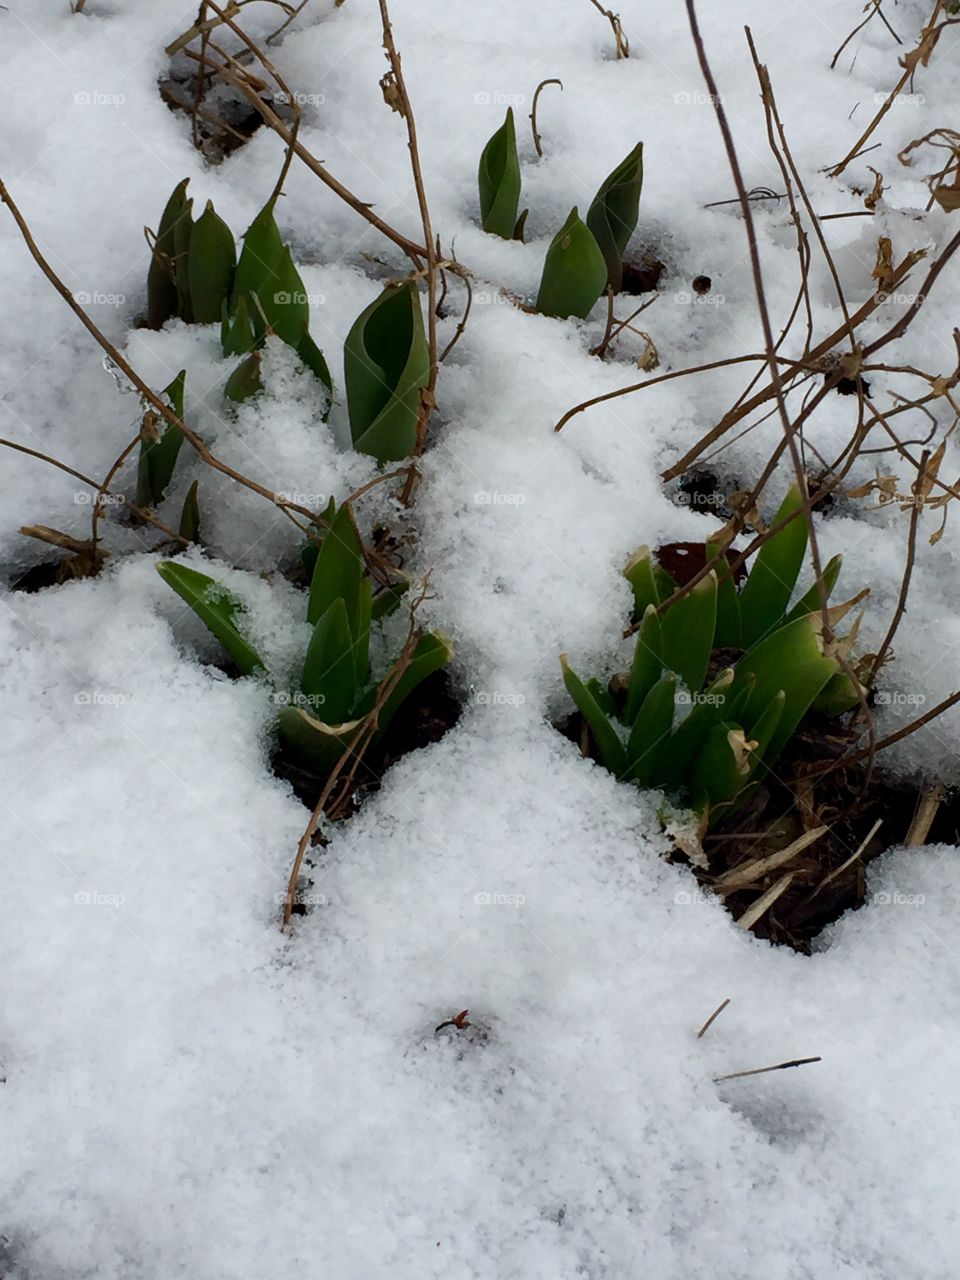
pixel 537 140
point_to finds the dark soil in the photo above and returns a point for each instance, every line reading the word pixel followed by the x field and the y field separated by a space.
pixel 642 277
pixel 848 801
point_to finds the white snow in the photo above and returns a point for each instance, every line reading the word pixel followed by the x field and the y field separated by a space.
pixel 188 1091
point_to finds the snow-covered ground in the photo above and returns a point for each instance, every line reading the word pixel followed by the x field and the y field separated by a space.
pixel 186 1090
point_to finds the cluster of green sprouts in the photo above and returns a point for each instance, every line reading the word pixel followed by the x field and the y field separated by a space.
pixel 319 719
pixel 721 677
pixel 584 258
pixel 196 276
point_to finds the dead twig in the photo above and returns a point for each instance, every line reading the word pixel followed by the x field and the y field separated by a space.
pixel 712 1019
pixel 622 43
pixel 759 1071
pixel 537 140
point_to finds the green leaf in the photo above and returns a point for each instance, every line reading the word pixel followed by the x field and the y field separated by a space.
pixel 158 457
pixel 285 304
pixel 574 273
pixel 790 659
pixel 245 380
pixel 612 216
pixel 432 653
pixel 313 358
pixel 386 363
pixel 729 634
pixel 162 302
pixel 339 569
pixel 651 729
pixel 688 631
pixel 360 630
pixel 602 696
pixel 676 756
pixel 839 694
pixel 329 670
pixel 182 235
pixel 236 330
pixel 499 180
pixel 388 600
pixel 723 767
pixel 210 265
pixel 520 226
pixel 810 601
pixel 647 666
pixel 640 573
pixel 313 742
pixel 190 514
pixel 257 276
pixel 767 591
pixel 216 607
pixel 310 548
pixel 612 751
pixel 765 726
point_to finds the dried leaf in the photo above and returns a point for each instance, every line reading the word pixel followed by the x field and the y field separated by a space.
pixel 883 271
pixel 391 93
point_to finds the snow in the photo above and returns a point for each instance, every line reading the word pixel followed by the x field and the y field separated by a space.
pixel 187 1090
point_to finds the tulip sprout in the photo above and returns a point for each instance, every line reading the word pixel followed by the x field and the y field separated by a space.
pixel 738 720
pixel 336 689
